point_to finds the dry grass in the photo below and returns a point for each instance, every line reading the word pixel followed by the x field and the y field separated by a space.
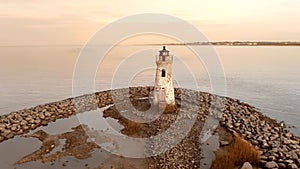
pixel 131 128
pixel 236 154
pixel 170 109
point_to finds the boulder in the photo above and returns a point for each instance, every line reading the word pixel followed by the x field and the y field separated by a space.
pixel 24 122
pixel 41 115
pixel 281 165
pixel 288 161
pixel 265 144
pixel 293 166
pixel 288 134
pixel 293 155
pixel 271 164
pixel 1 138
pixel 224 143
pixel 263 157
pixel 8 134
pixel 47 114
pixel 247 165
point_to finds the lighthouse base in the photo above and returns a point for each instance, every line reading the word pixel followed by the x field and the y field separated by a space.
pixel 167 108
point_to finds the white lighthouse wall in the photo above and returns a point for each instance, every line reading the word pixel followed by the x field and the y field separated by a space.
pixel 164 85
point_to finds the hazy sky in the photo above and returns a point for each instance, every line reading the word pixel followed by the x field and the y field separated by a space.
pixel 27 22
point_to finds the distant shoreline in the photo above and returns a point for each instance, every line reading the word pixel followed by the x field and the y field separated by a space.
pixel 232 43
pixel 207 43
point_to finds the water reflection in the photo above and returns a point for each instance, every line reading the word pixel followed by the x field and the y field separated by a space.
pixel 75 143
pixel 57 145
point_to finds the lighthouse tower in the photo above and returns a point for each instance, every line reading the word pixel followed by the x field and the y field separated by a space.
pixel 163 88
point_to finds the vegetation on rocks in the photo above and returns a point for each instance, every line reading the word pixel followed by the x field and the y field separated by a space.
pixel 238 152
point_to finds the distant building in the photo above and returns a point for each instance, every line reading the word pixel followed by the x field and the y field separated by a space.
pixel 163 93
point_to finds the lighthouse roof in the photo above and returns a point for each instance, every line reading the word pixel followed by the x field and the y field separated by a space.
pixel 164 49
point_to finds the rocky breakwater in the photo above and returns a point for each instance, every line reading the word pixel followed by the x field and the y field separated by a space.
pixel 186 121
pixel 22 121
pixel 264 133
pixel 258 129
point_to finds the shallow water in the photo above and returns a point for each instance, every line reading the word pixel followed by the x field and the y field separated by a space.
pixel 14 149
pixel 265 77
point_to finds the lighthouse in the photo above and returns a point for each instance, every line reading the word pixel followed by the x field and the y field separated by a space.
pixel 163 94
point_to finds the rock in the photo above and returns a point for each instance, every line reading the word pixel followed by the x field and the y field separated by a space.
pixel 263 157
pixel 294 155
pixel 230 126
pixel 255 142
pixel 272 158
pixel 281 165
pixel 41 115
pixel 266 129
pixel 23 122
pixel 284 148
pixel 288 161
pixel 275 150
pixel 293 166
pixel 286 141
pixel 224 143
pixel 25 127
pixel 271 164
pixel 237 124
pixel 274 137
pixel 262 123
pixel 1 138
pixel 44 123
pixel 37 121
pixel 276 156
pixel 30 119
pixel 2 125
pixel 248 133
pixel 294 142
pixel 14 128
pixel 47 114
pixel 8 134
pixel 288 134
pixel 263 161
pixel 231 108
pixel 19 132
pixel 247 165
pixel 265 144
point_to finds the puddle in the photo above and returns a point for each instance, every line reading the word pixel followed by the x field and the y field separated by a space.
pixel 61 132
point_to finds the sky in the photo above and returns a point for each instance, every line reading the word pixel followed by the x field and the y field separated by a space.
pixel 73 22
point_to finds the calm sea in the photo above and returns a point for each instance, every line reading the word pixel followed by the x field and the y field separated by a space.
pixel 265 77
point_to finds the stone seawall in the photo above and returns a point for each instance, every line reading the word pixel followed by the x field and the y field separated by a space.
pixel 22 121
pixel 263 132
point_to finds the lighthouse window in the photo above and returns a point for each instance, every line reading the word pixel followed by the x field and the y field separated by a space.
pixel 163 73
pixel 163 58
